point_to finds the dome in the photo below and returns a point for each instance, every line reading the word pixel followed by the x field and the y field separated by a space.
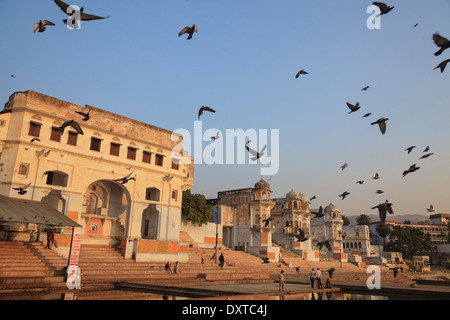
pixel 292 195
pixel 261 184
pixel 303 198
pixel 331 208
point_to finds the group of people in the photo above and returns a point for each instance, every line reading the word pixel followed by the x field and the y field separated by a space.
pixel 176 268
pixel 221 259
pixel 316 276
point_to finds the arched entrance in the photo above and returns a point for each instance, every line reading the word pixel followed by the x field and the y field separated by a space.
pixel 105 210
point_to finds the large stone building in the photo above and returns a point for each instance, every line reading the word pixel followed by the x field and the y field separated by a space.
pixel 78 174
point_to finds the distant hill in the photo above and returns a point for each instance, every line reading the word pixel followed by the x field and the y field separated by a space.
pixel 398 218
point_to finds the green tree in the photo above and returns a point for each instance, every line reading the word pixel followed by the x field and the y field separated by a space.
pixel 345 220
pixel 414 240
pixel 195 209
pixel 363 220
pixel 383 230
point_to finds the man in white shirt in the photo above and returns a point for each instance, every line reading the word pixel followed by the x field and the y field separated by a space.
pixel 319 278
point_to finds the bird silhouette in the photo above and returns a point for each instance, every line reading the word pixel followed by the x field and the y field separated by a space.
pixel 410 149
pixel 382 124
pixel 313 197
pixel 345 165
pixel 320 213
pixel 216 137
pixel 40 26
pixel 325 243
pixel 35 139
pixel 442 65
pixel 415 25
pixel 73 124
pixel 379 191
pixel 330 272
pixel 366 115
pixel 188 30
pixel 383 208
pixel 430 209
pixel 353 108
pixel 384 8
pixel 426 149
pixel 265 260
pixel 301 236
pixel 441 42
pixel 365 88
pixel 82 16
pixel 86 115
pixel 395 269
pixel 22 190
pixel 267 221
pixel 376 176
pixel 360 181
pixel 411 169
pixel 256 155
pixel 126 178
pixel 426 155
pixel 204 108
pixel 344 194
pixel 300 72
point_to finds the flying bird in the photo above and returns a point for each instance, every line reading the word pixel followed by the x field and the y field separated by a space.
pixel 82 16
pixel 86 116
pixel 325 243
pixel 35 139
pixel 204 108
pixel 126 178
pixel 40 26
pixel 411 169
pixel 301 236
pixel 381 123
pixel 426 149
pixel 330 272
pixel 383 208
pixel 344 194
pixel 267 221
pixel 314 197
pixel 426 155
pixel 256 154
pixel 415 25
pixel 189 30
pixel 442 65
pixel 410 149
pixel 216 137
pixel 384 8
pixel 300 72
pixel 395 271
pixel 365 88
pixel 13 76
pixel 441 42
pixel 353 108
pixel 320 213
pixel 430 209
pixel 379 191
pixel 22 190
pixel 73 124
pixel 377 176
pixel 344 166
pixel 366 115
pixel 360 181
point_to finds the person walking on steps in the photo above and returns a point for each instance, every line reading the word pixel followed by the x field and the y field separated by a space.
pixel 312 277
pixel 319 279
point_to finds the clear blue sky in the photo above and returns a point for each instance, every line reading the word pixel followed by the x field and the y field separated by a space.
pixel 242 62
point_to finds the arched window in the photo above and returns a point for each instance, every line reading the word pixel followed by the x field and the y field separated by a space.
pixel 57 178
pixel 152 194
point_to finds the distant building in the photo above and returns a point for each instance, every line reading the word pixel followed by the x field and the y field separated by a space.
pixel 77 174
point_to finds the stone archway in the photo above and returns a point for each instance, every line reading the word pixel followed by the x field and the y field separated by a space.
pixel 150 222
pixel 105 209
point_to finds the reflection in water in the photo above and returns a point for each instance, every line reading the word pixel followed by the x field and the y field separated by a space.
pixel 331 296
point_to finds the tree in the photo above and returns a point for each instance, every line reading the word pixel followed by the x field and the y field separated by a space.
pixel 414 240
pixel 195 209
pixel 383 230
pixel 345 220
pixel 363 220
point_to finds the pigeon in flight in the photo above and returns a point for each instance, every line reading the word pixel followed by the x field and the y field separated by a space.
pixel 442 65
pixel 383 208
pixel 216 137
pixel 267 221
pixel 320 213
pixel 189 30
pixel 86 116
pixel 426 149
pixel 384 8
pixel 344 166
pixel 82 16
pixel 35 139
pixel 395 269
pixel 13 76
pixel 344 194
pixel 126 178
pixel 301 236
pixel 325 243
pixel 426 155
pixel 73 124
pixel 366 115
pixel 441 42
pixel 365 88
pixel 360 181
pixel 379 191
pixel 300 72
pixel 381 123
pixel 410 149
pixel 353 108
pixel 204 108
pixel 377 176
pixel 415 25
pixel 410 170
pixel 256 154
pixel 22 190
pixel 314 197
pixel 40 26
pixel 430 209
